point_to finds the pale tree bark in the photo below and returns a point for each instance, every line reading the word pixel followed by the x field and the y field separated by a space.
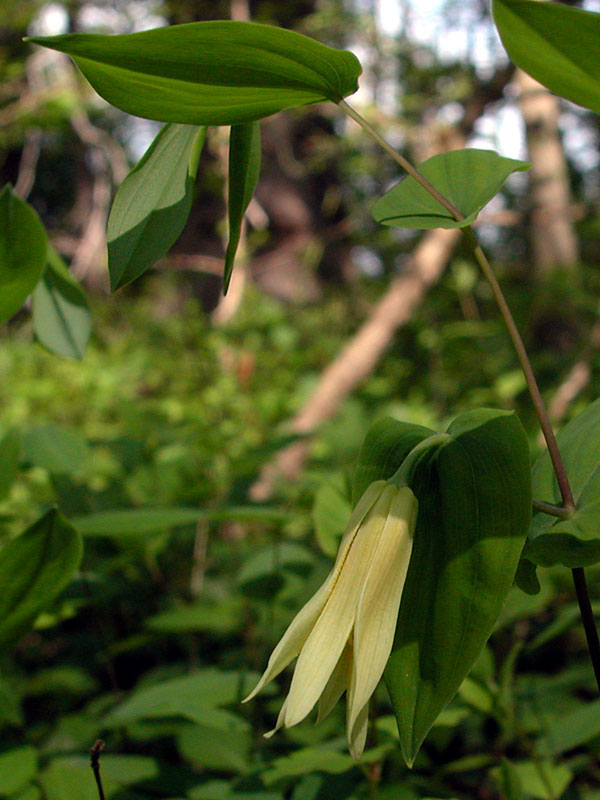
pixel 361 354
pixel 553 239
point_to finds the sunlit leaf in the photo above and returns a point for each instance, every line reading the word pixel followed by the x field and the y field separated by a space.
pixel 61 316
pixel 190 697
pixel 210 73
pixel 468 178
pixel 556 44
pixel 244 169
pixel 59 450
pixel 138 522
pixel 153 203
pixel 23 247
pixel 34 568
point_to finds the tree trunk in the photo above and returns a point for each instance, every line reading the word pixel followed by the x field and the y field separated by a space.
pixel 553 240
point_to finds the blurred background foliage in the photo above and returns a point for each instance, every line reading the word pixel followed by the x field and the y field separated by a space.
pixel 231 408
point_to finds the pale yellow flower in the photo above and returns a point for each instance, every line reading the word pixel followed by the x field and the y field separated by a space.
pixel 344 634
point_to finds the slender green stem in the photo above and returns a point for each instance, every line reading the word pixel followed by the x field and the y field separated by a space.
pixel 536 397
pixel 550 508
pixel 399 159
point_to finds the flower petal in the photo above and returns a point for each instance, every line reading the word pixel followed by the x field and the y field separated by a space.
pixel 295 636
pixel 357 734
pixel 280 720
pixel 302 624
pixel 336 685
pixel 324 645
pixel 379 602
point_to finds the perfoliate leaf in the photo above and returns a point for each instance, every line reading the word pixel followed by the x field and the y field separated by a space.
pixel 210 73
pixel 34 568
pixel 574 542
pixel 153 203
pixel 556 44
pixel 474 491
pixel 61 316
pixel 23 246
pixel 468 178
pixel 244 169
pixel 386 445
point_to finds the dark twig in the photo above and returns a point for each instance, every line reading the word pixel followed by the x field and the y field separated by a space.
pixel 587 617
pixel 95 751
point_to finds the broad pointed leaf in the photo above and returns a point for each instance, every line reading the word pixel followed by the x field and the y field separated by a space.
pixel 244 168
pixel 556 44
pixel 61 316
pixel 210 73
pixel 468 178
pixel 34 568
pixel 474 492
pixel 574 542
pixel 153 203
pixel 23 246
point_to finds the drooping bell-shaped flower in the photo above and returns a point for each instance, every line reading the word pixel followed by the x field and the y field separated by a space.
pixel 344 634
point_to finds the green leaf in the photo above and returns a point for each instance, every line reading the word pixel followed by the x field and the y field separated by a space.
pixel 508 780
pixel 244 169
pixel 139 522
pixel 10 453
pixel 468 178
pixel 542 780
pixel 222 618
pixel 191 697
pixel 556 44
pixel 331 512
pixel 210 748
pixel 210 73
pixel 17 768
pixel 261 574
pixel 59 450
pixel 308 760
pixel 474 491
pixel 573 729
pixel 386 445
pixel 70 777
pixel 34 568
pixel 23 247
pixel 153 203
pixel 574 542
pixel 61 316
